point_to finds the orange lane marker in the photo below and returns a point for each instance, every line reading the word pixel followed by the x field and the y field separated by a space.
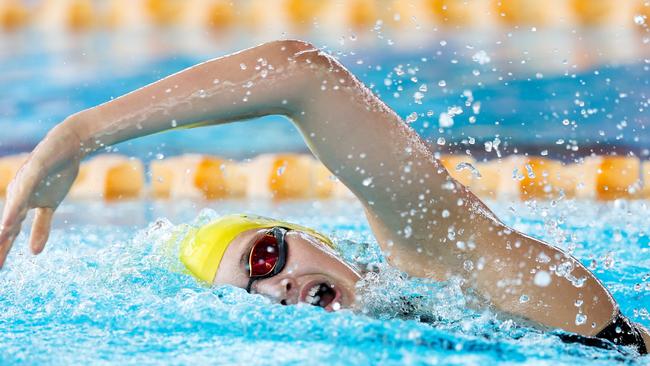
pixel 618 177
pixel 109 177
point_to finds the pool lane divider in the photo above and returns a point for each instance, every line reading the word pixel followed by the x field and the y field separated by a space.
pixel 285 176
pixel 82 15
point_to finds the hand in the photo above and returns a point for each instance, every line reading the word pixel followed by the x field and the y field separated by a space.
pixel 41 184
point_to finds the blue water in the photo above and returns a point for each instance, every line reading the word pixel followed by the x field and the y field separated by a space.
pixel 527 83
pixel 102 293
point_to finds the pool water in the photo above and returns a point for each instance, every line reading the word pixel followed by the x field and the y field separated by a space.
pixel 103 292
pixel 570 94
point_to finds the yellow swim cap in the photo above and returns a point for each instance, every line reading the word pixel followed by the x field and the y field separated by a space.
pixel 202 249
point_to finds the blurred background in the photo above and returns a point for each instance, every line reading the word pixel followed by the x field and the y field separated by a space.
pixel 557 78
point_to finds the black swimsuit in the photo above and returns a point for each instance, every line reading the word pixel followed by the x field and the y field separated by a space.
pixel 620 331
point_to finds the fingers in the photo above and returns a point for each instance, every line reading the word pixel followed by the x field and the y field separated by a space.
pixel 7 237
pixel 40 229
pixel 12 217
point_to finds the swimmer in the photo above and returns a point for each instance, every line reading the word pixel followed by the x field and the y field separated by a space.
pixel 427 224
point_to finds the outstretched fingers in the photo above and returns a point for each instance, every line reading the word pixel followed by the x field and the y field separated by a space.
pixel 40 229
pixel 13 215
pixel 7 236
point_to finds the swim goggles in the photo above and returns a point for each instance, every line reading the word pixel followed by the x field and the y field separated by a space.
pixel 268 256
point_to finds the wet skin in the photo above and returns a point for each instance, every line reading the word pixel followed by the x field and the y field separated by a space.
pixel 310 263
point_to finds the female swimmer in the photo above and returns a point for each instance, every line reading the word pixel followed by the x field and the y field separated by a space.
pixel 411 202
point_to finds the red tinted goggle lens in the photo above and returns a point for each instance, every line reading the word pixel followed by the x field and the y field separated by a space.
pixel 264 256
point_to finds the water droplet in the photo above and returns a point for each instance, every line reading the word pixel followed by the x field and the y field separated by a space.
pixel 481 57
pixel 412 117
pixel 578 303
pixel 523 299
pixel 639 19
pixel 581 319
pixel 242 66
pixel 465 165
pixel 542 279
pixel 366 182
pixel 408 231
pixel 445 120
pixel 281 170
pixel 445 213
pixel 442 83
pixel 417 97
pixel 468 265
pixel 529 170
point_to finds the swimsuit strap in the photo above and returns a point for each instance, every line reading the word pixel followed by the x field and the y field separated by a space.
pixel 624 333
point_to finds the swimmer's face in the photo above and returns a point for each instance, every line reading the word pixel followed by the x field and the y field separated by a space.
pixel 312 274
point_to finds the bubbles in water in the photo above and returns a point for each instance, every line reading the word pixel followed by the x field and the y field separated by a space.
pixel 387 293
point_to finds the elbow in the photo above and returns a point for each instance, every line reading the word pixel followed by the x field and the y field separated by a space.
pixel 309 57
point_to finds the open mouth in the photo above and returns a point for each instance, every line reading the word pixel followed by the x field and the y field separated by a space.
pixel 321 294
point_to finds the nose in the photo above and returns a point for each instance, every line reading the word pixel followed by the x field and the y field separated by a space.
pixel 284 289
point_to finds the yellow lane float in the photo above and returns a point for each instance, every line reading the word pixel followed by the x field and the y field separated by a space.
pixel 196 176
pixel 75 15
pixel 645 179
pixel 13 14
pixel 299 176
pixel 109 177
pixel 498 178
pixel 618 177
pixel 218 14
pixel 545 179
pixel 524 12
pixel 583 175
pixel 454 13
pixel 291 176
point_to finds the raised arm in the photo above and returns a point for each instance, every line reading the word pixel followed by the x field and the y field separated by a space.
pixel 427 224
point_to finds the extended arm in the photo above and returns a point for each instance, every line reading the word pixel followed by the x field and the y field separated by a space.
pixel 427 224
